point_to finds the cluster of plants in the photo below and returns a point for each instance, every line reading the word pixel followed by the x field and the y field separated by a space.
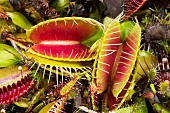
pixel 74 56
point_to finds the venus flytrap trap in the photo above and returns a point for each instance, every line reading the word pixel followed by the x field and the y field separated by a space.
pixel 131 6
pixel 146 65
pixel 55 107
pixel 112 73
pixel 63 43
pixel 14 83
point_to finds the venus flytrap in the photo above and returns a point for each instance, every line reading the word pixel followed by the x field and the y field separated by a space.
pixel 63 43
pixel 13 83
pixel 112 74
pixel 146 65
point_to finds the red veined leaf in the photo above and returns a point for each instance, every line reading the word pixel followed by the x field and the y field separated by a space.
pixel 128 55
pixel 131 6
pixel 116 61
pixel 107 55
